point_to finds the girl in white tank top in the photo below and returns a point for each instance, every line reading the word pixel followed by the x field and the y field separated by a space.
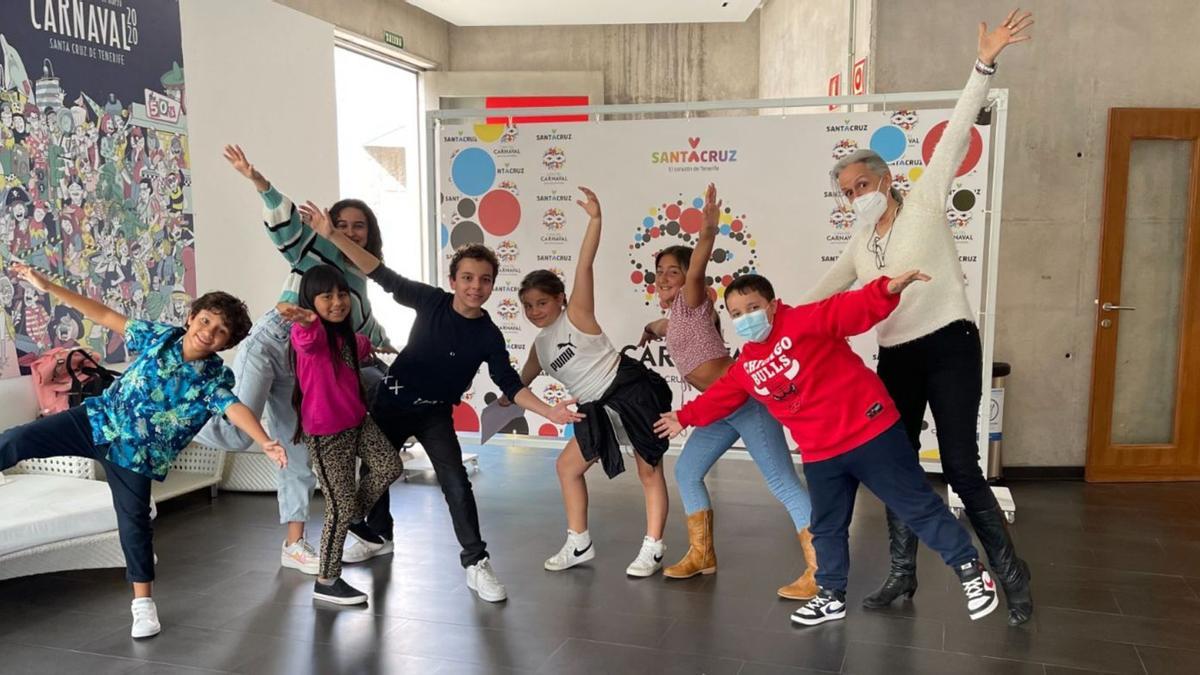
pixel 619 398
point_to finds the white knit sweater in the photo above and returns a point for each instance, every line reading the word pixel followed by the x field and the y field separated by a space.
pixel 920 239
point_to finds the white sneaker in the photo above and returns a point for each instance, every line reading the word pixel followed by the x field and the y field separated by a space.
pixel 361 550
pixel 145 618
pixel 578 549
pixel 300 556
pixel 649 558
pixel 481 578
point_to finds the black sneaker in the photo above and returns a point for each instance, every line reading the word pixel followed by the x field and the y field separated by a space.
pixel 339 593
pixel 826 606
pixel 980 589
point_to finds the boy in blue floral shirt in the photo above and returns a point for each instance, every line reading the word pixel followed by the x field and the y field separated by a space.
pixel 140 423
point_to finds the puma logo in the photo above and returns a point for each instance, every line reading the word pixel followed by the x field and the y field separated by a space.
pixel 568 343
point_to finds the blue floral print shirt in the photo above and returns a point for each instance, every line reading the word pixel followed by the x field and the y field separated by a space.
pixel 161 401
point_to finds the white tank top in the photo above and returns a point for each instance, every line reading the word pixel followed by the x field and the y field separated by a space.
pixel 585 364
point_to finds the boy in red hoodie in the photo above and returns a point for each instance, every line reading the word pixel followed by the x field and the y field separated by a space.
pixel 798 363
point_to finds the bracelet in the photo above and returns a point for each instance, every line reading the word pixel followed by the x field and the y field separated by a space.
pixel 984 69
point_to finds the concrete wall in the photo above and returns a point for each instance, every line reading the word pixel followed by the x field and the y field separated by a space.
pixel 802 43
pixel 641 63
pixel 424 34
pixel 1084 59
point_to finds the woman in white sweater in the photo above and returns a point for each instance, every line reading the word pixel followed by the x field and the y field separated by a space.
pixel 929 347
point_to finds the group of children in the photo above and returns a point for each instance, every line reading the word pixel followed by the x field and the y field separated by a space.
pixel 310 362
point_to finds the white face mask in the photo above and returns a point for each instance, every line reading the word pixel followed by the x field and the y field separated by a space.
pixel 869 208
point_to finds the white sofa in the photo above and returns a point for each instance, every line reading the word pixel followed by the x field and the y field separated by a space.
pixel 58 513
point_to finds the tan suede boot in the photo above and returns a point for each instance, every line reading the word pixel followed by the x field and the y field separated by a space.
pixel 700 558
pixel 804 587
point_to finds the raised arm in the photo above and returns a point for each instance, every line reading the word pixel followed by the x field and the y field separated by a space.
pixel 694 288
pixel 855 312
pixel 929 193
pixel 96 311
pixel 581 305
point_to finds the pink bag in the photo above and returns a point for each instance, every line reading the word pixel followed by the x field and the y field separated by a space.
pixel 57 374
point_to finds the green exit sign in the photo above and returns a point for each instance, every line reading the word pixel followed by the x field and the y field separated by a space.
pixel 393 39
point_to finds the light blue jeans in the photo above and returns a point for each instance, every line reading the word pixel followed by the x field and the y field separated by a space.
pixel 264 382
pixel 768 448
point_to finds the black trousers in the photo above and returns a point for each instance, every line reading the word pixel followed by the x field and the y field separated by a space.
pixel 433 427
pixel 944 370
pixel 69 434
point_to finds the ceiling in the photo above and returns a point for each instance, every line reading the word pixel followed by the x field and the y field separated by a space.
pixel 580 12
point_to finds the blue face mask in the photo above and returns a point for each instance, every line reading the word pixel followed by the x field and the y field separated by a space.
pixel 754 326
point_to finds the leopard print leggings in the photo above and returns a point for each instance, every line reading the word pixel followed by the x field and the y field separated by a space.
pixel 347 500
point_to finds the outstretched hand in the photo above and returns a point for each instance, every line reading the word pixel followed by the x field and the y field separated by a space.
pixel 317 218
pixel 561 414
pixel 668 425
pixel 991 43
pixel 275 451
pixel 903 281
pixel 237 159
pixel 296 314
pixel 591 205
pixel 34 277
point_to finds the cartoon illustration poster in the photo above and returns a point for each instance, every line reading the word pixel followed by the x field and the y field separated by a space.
pixel 94 171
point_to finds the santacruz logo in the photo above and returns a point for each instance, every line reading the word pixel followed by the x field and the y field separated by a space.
pixel 958 219
pixel 553 257
pixel 507 251
pixel 554 135
pixel 458 137
pixel 554 158
pixel 508 309
pixel 905 119
pixel 554 393
pixel 510 170
pixel 844 147
pixel 505 288
pixel 842 217
pixel 554 197
pixel 694 155
pixel 554 219
pixel 842 128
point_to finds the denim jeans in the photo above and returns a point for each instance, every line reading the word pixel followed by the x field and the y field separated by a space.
pixel 264 382
pixel 768 448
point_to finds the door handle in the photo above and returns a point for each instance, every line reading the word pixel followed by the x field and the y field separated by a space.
pixel 1109 307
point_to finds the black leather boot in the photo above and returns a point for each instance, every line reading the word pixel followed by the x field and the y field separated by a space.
pixel 1012 572
pixel 902 579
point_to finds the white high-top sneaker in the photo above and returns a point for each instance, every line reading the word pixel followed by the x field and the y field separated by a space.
pixel 578 549
pixel 481 578
pixel 145 618
pixel 649 558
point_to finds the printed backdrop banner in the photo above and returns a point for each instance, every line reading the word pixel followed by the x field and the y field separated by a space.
pixel 514 188
pixel 94 170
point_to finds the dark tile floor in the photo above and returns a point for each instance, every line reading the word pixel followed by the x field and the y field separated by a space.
pixel 1116 576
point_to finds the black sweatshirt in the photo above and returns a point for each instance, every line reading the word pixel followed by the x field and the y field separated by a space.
pixel 444 351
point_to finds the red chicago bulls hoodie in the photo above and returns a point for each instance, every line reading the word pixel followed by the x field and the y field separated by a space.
pixel 808 377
